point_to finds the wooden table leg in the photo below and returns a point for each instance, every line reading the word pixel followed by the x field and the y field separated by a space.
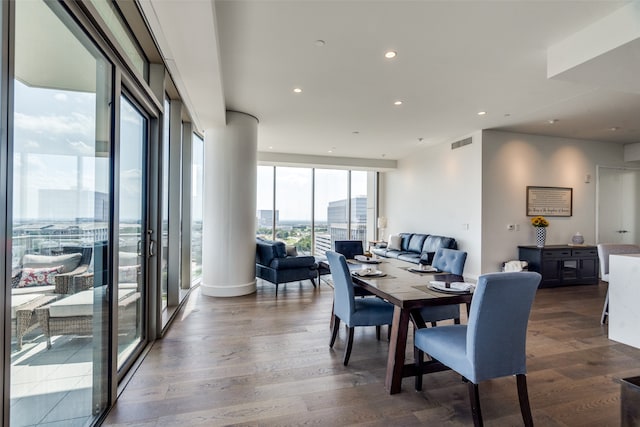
pixel 397 348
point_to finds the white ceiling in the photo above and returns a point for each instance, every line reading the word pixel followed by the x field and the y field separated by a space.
pixel 455 58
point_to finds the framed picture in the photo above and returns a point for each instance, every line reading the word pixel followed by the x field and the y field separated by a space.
pixel 549 201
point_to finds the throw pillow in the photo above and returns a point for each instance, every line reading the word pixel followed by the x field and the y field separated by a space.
pixel 39 276
pixel 292 251
pixel 395 242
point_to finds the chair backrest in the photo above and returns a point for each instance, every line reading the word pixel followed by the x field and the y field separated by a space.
pixel 497 326
pixel 606 249
pixel 450 260
pixel 349 248
pixel 343 303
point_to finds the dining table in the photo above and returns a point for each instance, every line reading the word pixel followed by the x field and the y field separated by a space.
pixel 408 288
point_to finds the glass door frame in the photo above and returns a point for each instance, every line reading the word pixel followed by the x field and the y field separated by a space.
pixel 120 92
pixel 6 152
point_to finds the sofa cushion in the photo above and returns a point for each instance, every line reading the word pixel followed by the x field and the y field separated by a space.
pixel 31 289
pixel 432 243
pixel 395 243
pixel 293 262
pixel 427 257
pixel 80 304
pixel 394 253
pixel 405 241
pixel 380 251
pixel 267 250
pixel 409 257
pixel 19 300
pixel 43 276
pixel 416 242
pixel 69 262
pixel 291 250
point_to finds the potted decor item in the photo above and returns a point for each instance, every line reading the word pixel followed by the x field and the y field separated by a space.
pixel 540 223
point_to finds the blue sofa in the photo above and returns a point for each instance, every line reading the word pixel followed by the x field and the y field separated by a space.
pixel 417 248
pixel 273 264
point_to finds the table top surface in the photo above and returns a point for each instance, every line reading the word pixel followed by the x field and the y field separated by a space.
pixel 404 288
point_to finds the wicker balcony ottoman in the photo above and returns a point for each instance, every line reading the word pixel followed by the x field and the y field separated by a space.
pixel 23 317
pixel 73 315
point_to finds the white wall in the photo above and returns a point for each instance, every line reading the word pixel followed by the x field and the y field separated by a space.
pixel 511 162
pixel 436 191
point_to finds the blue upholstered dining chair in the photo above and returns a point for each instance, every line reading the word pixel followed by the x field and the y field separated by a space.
pixel 351 248
pixel 348 248
pixel 451 261
pixel 353 311
pixel 492 344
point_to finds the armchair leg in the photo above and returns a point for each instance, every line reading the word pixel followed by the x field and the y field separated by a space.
pixel 474 397
pixel 347 350
pixel 334 333
pixel 378 332
pixel 313 282
pixel 276 290
pixel 456 321
pixel 523 397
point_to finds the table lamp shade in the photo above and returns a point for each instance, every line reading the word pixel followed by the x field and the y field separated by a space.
pixel 382 222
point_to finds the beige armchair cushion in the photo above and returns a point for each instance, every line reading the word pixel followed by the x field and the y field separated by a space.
pixel 68 261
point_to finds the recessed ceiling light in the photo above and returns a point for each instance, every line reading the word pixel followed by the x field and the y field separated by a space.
pixel 482 113
pixel 613 129
pixel 271 147
pixel 297 90
pixel 319 43
pixel 552 121
pixel 390 54
pixel 397 103
pixel 330 151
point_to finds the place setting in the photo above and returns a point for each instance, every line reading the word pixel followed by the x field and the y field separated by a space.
pixel 423 269
pixel 368 272
pixel 451 287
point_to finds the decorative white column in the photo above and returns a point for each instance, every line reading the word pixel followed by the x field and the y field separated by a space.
pixel 229 218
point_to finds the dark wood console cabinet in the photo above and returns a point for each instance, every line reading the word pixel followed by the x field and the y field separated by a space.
pixel 562 265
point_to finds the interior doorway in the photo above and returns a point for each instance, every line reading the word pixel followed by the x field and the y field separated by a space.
pixel 618 205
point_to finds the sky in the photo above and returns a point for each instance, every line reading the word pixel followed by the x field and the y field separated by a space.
pixel 293 190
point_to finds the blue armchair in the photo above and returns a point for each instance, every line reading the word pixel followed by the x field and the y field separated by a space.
pixel 493 343
pixel 273 264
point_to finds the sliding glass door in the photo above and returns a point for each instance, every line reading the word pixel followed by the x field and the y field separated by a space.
pixel 61 216
pixel 132 225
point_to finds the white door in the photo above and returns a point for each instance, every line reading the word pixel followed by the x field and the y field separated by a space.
pixel 618 205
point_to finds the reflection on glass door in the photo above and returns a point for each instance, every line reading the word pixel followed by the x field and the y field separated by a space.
pixel 164 239
pixel 60 239
pixel 131 244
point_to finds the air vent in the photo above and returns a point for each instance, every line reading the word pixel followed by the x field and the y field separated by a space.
pixel 461 143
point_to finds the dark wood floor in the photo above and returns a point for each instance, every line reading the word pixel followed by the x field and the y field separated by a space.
pixel 258 360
